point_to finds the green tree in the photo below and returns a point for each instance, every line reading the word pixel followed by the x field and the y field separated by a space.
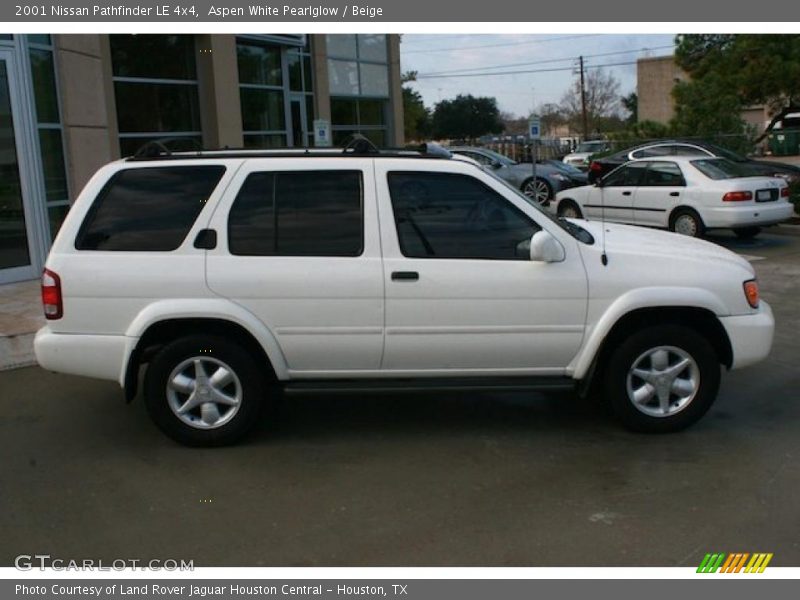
pixel 631 104
pixel 466 117
pixel 416 117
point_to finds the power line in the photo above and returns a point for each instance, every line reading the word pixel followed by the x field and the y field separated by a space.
pixel 546 61
pixel 554 70
pixel 501 45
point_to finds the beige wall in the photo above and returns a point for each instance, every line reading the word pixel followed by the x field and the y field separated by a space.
pixel 83 64
pixel 220 106
pixel 396 127
pixel 655 79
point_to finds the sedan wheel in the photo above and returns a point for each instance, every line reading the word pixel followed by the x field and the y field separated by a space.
pixel 687 222
pixel 538 190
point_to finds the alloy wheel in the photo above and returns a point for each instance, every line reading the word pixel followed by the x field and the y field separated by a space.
pixel 537 190
pixel 204 392
pixel 663 381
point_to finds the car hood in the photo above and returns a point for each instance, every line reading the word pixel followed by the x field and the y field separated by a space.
pixel 645 242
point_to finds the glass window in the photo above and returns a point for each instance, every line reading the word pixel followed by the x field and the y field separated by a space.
pixel 372 48
pixel 302 213
pixel 56 215
pixel 343 77
pixel 374 80
pixel 156 107
pixel 264 140
pixel 684 150
pixel 295 71
pixel 262 110
pixel 149 209
pixel 722 168
pixel 39 38
pixel 259 64
pixel 442 215
pixel 342 46
pixel 664 174
pixel 153 56
pixel 44 86
pixel 55 177
pixel 629 175
pixel 654 151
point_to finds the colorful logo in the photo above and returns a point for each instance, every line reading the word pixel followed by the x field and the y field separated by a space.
pixel 735 563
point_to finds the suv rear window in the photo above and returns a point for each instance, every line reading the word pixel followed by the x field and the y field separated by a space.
pixel 147 209
pixel 298 213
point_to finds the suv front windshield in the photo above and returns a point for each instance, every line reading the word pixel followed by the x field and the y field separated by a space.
pixel 576 231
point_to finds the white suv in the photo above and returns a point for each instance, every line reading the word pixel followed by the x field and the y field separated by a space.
pixel 237 275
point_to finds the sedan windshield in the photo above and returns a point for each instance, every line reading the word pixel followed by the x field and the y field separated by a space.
pixel 591 147
pixel 721 168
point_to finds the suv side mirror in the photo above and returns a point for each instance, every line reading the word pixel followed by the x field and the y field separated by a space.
pixel 496 165
pixel 599 182
pixel 546 248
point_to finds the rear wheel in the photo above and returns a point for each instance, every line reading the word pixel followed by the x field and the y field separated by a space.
pixel 687 222
pixel 569 210
pixel 662 378
pixel 747 233
pixel 204 391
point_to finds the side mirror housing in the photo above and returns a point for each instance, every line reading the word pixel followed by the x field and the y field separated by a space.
pixel 598 182
pixel 496 165
pixel 546 248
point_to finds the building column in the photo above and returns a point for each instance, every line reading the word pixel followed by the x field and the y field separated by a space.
pixel 322 90
pixel 89 118
pixel 396 123
pixel 220 104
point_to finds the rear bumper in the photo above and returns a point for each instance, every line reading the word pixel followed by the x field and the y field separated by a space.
pixel 750 336
pixel 99 356
pixel 767 213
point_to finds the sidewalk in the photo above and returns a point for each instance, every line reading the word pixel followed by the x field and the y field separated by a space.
pixel 20 317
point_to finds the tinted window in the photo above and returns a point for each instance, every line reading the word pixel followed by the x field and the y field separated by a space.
pixel 722 168
pixel 629 175
pixel 147 209
pixel 685 150
pixel 651 151
pixel 664 174
pixel 300 213
pixel 442 215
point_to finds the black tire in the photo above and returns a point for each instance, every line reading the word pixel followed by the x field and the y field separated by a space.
pixel 250 389
pixel 565 204
pixel 625 356
pixel 547 186
pixel 747 233
pixel 675 220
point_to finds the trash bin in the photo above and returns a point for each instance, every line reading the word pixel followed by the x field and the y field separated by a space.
pixel 785 142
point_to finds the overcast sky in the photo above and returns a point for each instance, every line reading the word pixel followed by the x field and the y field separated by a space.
pixel 519 92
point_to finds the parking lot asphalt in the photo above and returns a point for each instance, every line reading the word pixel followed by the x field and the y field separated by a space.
pixel 411 480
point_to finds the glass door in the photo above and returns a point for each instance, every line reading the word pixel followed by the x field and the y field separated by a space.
pixel 17 253
pixel 299 124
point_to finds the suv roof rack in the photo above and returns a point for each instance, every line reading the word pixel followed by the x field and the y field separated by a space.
pixel 357 146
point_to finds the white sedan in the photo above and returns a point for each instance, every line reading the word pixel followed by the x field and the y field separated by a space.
pixel 687 195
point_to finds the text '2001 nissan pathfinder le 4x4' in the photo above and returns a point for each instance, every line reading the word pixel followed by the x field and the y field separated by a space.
pixel 234 274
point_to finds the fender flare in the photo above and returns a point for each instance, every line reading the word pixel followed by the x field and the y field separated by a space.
pixel 204 308
pixel 650 297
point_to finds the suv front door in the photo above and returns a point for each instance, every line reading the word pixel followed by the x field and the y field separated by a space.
pixel 462 295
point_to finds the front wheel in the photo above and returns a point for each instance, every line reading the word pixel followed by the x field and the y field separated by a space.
pixel 662 378
pixel 204 391
pixel 538 190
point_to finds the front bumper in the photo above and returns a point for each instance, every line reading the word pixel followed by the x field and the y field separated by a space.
pixel 750 335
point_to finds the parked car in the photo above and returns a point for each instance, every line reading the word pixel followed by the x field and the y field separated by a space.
pixel 601 167
pixel 684 195
pixel 236 276
pixel 549 179
pixel 584 150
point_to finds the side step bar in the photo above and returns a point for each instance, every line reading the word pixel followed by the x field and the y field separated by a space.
pixel 475 384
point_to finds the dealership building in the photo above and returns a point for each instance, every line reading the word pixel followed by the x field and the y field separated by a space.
pixel 71 103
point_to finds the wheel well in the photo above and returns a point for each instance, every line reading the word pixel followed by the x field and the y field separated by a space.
pixel 163 332
pixel 682 208
pixel 700 320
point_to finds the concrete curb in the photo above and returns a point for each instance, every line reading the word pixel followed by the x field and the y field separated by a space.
pixel 17 351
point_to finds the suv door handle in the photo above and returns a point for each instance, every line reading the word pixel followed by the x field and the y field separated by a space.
pixel 626 193
pixel 674 193
pixel 405 276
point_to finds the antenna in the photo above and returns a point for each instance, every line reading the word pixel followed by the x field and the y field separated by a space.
pixel 603 255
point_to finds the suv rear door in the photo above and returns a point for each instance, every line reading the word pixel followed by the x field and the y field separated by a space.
pixel 298 246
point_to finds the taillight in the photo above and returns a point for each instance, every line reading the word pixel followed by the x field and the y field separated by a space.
pixel 51 295
pixel 751 292
pixel 737 196
pixel 785 192
pixel 595 166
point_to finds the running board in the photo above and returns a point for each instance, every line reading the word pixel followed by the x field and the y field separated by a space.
pixel 467 384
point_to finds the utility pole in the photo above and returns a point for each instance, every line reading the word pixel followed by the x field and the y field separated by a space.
pixel 583 104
